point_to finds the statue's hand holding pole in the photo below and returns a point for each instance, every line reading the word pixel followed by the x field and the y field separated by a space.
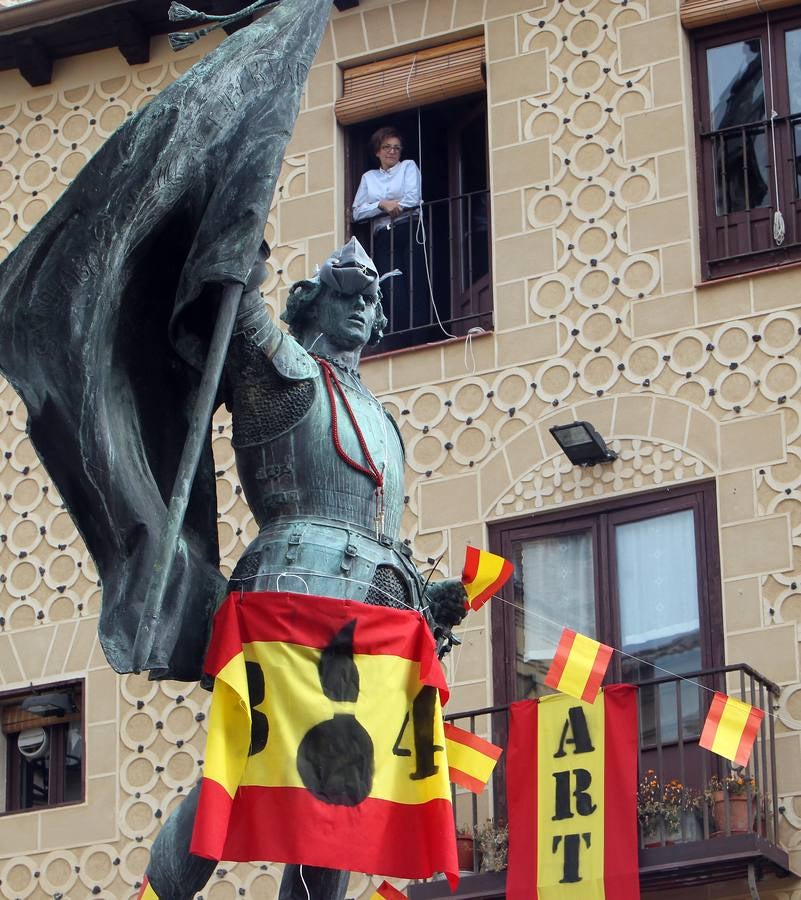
pixel 187 467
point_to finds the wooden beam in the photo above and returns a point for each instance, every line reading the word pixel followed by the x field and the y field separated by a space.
pixel 34 62
pixel 133 40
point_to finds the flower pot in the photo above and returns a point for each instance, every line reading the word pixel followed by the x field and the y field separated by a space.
pixel 658 835
pixel 691 828
pixel 464 852
pixel 738 817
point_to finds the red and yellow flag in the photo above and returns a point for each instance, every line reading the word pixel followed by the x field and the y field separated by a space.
pixel 731 728
pixel 385 891
pixel 326 712
pixel 484 574
pixel 146 892
pixel 471 759
pixel 579 666
pixel 571 780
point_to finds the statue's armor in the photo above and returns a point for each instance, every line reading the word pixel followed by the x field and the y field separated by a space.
pixel 322 526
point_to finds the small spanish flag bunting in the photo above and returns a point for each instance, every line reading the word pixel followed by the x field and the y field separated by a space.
pixel 731 728
pixel 484 574
pixel 471 759
pixel 147 892
pixel 579 666
pixel 385 891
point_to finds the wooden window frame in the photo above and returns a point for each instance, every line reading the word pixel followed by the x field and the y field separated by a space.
pixel 600 518
pixel 741 226
pixel 58 748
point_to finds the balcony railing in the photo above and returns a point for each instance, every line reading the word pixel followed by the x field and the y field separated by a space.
pixel 713 841
pixel 443 252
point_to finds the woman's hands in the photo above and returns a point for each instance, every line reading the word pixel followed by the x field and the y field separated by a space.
pixel 391 207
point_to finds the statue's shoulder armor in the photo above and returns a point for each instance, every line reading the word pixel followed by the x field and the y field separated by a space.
pixel 292 362
pixel 395 425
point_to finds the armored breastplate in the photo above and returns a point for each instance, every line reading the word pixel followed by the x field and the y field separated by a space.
pixel 295 470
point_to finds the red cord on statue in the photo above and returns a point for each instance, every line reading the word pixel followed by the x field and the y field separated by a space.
pixel 331 382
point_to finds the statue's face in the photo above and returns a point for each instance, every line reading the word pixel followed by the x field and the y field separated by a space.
pixel 346 319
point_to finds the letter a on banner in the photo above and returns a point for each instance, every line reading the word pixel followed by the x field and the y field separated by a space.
pixel 571 780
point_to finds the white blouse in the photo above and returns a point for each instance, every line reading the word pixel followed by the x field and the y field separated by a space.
pixel 402 183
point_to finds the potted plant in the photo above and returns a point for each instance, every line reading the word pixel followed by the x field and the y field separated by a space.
pixel 689 804
pixel 733 799
pixel 493 845
pixel 658 810
pixel 465 843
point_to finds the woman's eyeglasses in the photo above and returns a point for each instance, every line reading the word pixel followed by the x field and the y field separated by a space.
pixel 391 148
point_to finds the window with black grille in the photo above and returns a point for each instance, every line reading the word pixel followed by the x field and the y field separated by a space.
pixel 747 83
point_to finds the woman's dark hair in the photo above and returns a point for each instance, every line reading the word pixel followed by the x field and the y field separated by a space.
pixel 305 295
pixel 378 137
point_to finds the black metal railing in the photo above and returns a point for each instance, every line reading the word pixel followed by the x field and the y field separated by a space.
pixel 744 176
pixel 718 835
pixel 443 253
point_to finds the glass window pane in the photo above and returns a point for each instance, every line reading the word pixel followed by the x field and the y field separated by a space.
pixel 557 583
pixel 736 84
pixel 792 44
pixel 657 582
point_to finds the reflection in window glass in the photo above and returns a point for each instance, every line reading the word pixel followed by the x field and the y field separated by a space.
pixel 737 98
pixel 558 589
pixel 659 618
pixel 792 44
pixel 736 85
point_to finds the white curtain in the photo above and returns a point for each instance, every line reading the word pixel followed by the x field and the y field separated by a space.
pixel 657 578
pixel 558 591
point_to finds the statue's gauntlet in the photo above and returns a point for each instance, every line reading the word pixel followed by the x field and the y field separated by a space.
pixel 447 602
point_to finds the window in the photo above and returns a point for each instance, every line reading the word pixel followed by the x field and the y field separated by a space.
pixel 446 285
pixel 639 575
pixel 749 161
pixel 42 746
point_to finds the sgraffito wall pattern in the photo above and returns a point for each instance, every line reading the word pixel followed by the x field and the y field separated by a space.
pixel 597 316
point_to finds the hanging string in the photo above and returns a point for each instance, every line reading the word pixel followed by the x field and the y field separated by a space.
pixel 646 662
pixel 778 218
pixel 468 347
pixel 308 895
pixel 345 578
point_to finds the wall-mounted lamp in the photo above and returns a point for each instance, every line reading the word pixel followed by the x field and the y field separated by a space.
pixel 55 704
pixel 582 444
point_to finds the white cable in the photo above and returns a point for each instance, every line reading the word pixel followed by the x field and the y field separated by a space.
pixel 778 218
pixel 369 584
pixel 468 344
pixel 420 236
pixel 308 895
pixel 281 575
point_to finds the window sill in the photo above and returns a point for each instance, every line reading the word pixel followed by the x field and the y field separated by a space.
pixel 752 273
pixel 388 354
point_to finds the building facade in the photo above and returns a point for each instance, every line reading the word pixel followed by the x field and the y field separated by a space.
pixel 610 191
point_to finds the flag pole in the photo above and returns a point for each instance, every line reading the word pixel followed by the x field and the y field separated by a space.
pixel 187 468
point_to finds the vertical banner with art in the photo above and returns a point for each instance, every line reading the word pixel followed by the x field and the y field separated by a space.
pixel 572 786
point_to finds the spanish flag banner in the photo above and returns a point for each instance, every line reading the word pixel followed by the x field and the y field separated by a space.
pixel 146 892
pixel 471 759
pixel 326 741
pixel 484 574
pixel 731 728
pixel 571 780
pixel 385 891
pixel 579 666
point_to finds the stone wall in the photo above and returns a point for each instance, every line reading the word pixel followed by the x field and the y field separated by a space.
pixel 598 315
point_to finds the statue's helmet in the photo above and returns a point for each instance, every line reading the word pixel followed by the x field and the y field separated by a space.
pixel 350 270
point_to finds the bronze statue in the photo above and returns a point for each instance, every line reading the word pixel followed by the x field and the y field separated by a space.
pixel 107 311
pixel 321 463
